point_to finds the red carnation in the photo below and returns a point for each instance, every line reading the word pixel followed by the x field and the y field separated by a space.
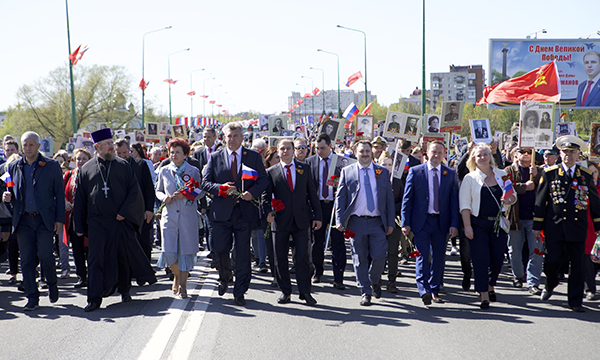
pixel 360 133
pixel 333 177
pixel 277 205
pixel 223 188
pixel 349 234
pixel 222 193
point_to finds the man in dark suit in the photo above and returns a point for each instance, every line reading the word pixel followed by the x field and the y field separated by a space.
pixel 232 215
pixel 319 168
pixel 365 205
pixel 38 200
pixel 144 179
pixel 209 136
pixel 561 207
pixel 588 92
pixel 291 183
pixel 430 211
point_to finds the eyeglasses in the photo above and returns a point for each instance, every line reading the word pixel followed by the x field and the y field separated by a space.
pixel 525 152
pixel 301 147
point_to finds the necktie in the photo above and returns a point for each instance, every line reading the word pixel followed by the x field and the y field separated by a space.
pixel 570 174
pixel 587 92
pixel 209 151
pixel 436 191
pixel 369 191
pixel 288 175
pixel 234 166
pixel 325 189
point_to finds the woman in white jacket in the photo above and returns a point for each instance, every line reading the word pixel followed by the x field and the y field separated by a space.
pixel 481 196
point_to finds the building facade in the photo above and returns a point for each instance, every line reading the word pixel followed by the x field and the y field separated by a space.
pixel 461 83
pixel 331 101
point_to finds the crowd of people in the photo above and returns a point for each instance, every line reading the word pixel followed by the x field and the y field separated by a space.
pixel 254 202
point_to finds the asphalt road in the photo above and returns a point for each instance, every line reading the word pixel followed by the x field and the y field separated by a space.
pixel 155 325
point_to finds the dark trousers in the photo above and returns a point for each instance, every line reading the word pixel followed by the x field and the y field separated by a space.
pixel 145 240
pixel 487 250
pixel 393 251
pixel 430 241
pixel 80 253
pixel 338 246
pixel 35 238
pixel 465 252
pixel 222 240
pixel 557 248
pixel 281 246
pixel 13 254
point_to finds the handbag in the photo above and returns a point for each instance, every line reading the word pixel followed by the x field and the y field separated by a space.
pixel 501 220
pixel 595 253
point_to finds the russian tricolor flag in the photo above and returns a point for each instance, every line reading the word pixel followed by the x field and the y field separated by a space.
pixel 249 173
pixel 7 179
pixel 351 112
pixel 190 194
pixel 508 189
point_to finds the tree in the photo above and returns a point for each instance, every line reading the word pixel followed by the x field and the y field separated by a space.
pixel 101 96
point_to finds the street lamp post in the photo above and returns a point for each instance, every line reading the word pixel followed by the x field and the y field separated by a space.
pixel 302 97
pixel 73 114
pixel 322 84
pixel 143 54
pixel 365 35
pixel 338 75
pixel 423 91
pixel 169 77
pixel 204 94
pixel 212 91
pixel 192 96
pixel 312 98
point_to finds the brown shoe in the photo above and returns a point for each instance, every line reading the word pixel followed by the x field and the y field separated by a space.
pixel 391 287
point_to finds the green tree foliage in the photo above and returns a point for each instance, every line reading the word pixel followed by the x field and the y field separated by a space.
pixel 101 96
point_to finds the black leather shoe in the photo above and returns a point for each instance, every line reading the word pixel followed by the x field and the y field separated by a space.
pixel 339 286
pixel 466 283
pixel 485 305
pixel 91 306
pixel 577 308
pixel 492 295
pixel 310 301
pixel 284 299
pixel 546 294
pixel 239 300
pixel 426 299
pixel 125 298
pixel 31 305
pixel 376 290
pixel 80 284
pixel 365 300
pixel 53 293
pixel 437 300
pixel 12 280
pixel 222 288
pixel 317 279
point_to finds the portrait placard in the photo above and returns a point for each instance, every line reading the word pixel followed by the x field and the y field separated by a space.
pixel 332 127
pixel 535 124
pixel 452 112
pixel 178 131
pixel 595 140
pixel 394 125
pixel 165 129
pixel 47 146
pixel 400 160
pixel 480 130
pixel 152 131
pixel 565 128
pixel 338 162
pixel 274 140
pixel 431 125
pixel 277 124
pixel 365 124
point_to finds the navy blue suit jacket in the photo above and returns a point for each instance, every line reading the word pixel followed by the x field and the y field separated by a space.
pixel 217 173
pixel 593 98
pixel 348 192
pixel 416 199
pixel 48 187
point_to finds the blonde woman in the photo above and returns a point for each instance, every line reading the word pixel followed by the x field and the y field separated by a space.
pixel 481 198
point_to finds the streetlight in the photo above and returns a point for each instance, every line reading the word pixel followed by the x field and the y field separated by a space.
pixel 192 96
pixel 338 73
pixel 543 31
pixel 143 53
pixel 169 77
pixel 365 35
pixel 204 94
pixel 322 84
pixel 212 91
pixel 302 96
pixel 312 97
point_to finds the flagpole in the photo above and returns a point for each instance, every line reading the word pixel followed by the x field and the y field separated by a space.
pixel 73 114
pixel 338 77
pixel 365 35
pixel 423 97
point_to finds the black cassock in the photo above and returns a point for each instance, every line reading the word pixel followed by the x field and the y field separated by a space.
pixel 115 254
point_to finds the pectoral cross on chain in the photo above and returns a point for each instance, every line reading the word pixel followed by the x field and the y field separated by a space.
pixel 105 189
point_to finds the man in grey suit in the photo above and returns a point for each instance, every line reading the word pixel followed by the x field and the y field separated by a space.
pixel 365 205
pixel 38 200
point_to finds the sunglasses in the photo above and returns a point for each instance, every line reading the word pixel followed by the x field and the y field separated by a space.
pixel 301 147
pixel 525 152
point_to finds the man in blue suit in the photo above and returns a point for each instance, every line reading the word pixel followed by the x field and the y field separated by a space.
pixel 232 216
pixel 430 211
pixel 38 199
pixel 588 92
pixel 365 205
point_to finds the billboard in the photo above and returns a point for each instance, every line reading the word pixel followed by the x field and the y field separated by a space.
pixel 577 60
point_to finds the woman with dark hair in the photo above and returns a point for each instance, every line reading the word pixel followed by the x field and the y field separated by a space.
pixel 179 217
pixel 138 150
pixel 271 157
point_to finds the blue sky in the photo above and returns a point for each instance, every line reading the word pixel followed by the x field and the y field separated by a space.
pixel 258 50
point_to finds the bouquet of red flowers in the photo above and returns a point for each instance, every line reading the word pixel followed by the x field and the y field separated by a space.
pixel 414 253
pixel 226 191
pixel 335 179
pixel 190 190
pixel 349 234
pixel 541 251
pixel 277 205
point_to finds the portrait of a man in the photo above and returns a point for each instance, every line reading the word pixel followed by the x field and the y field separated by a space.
pixel 411 126
pixel 365 126
pixel 452 114
pixel 330 128
pixel 481 131
pixel 394 125
pixel 588 92
pixel 152 129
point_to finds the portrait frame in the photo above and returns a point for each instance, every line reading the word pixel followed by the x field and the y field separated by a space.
pixel 140 136
pixel 337 161
pixel 451 117
pixel 178 132
pixel 152 130
pixel 336 129
pixel 481 136
pixel 390 129
pixel 274 140
pixel 425 126
pixel 277 123
pixel 399 163
pixel 595 140
pixel 565 128
pixel 531 132
pixel 366 125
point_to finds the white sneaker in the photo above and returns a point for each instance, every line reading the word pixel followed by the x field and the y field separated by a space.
pixel 65 274
pixel 590 296
pixel 454 251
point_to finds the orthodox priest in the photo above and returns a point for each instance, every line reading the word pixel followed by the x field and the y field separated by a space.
pixel 109 210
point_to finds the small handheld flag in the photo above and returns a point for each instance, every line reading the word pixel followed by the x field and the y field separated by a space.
pixel 249 173
pixel 353 78
pixel 7 179
pixel 351 112
pixel 508 189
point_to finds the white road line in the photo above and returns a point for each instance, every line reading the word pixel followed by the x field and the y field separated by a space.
pixel 155 347
pixel 185 342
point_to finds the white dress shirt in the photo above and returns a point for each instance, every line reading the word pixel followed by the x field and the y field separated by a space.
pixel 360 207
pixel 430 185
